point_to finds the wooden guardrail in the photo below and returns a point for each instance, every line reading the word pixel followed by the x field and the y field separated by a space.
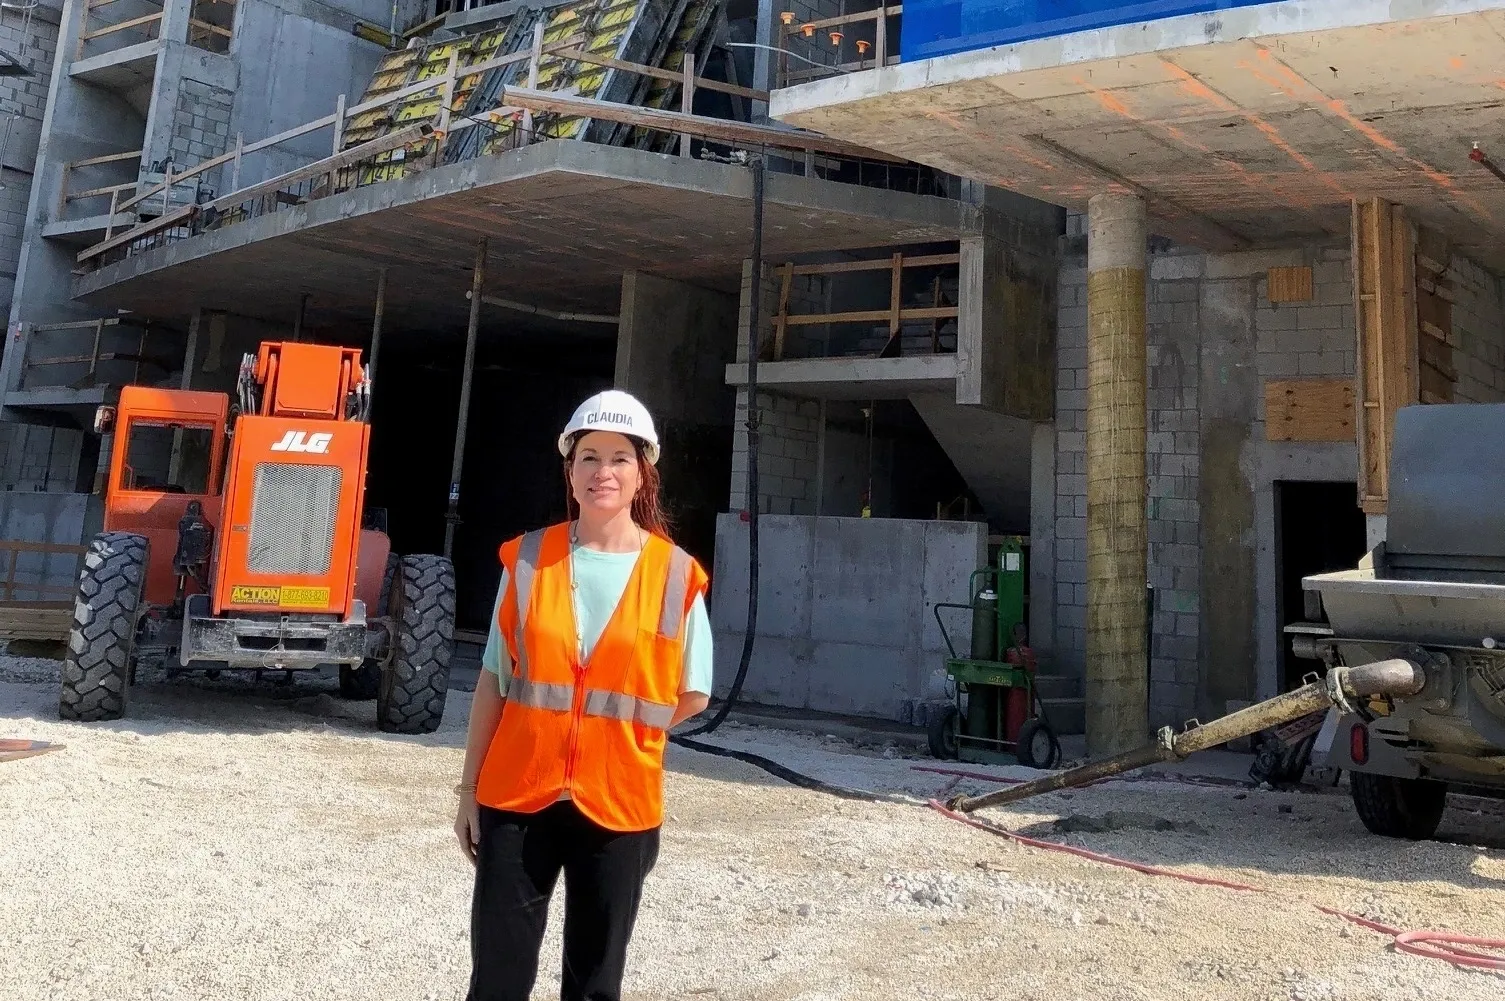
pixel 93 358
pixel 523 101
pixel 148 24
pixel 895 315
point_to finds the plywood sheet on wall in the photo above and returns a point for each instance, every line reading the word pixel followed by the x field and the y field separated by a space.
pixel 1289 284
pixel 1309 410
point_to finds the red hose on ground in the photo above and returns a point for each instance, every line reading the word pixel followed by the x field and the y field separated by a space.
pixel 1158 777
pixel 1429 944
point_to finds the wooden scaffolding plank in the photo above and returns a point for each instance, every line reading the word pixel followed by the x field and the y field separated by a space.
pixel 1388 371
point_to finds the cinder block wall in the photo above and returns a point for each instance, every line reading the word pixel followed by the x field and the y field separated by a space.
pixel 1214 338
pixel 789 427
pixel 23 99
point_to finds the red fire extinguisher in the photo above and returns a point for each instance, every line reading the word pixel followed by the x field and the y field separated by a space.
pixel 1018 709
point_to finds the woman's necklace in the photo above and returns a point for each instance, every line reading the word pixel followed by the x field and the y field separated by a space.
pixel 575 583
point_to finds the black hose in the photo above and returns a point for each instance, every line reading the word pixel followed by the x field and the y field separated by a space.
pixel 753 320
pixel 780 771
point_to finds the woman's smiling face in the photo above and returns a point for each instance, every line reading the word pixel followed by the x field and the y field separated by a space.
pixel 604 474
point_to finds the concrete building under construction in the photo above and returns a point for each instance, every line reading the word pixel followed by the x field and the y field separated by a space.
pixel 507 207
pixel 1139 294
pixel 1284 225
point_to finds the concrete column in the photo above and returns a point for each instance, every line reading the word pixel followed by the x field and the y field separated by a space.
pixel 175 17
pixel 674 342
pixel 1117 670
pixel 1042 544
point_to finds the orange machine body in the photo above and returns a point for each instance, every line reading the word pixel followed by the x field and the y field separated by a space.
pixel 296 486
pixel 287 522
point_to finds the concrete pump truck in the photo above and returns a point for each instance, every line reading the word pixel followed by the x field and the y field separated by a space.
pixel 234 539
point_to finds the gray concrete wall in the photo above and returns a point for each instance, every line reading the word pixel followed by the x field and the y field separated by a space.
pixel 789 439
pixel 23 104
pixel 37 458
pixel 1007 312
pixel 65 518
pixel 317 59
pixel 844 616
pixel 1214 339
pixel 789 427
pixel 674 342
pixel 1478 339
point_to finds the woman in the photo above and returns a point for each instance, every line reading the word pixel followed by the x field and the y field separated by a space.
pixel 600 644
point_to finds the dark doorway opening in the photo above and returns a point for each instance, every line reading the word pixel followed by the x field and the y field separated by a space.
pixel 1318 527
pixel 512 482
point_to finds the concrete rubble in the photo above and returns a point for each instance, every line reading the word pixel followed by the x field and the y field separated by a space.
pixel 272 844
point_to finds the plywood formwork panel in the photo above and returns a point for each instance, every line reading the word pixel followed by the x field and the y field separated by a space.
pixel 1309 410
pixel 1388 376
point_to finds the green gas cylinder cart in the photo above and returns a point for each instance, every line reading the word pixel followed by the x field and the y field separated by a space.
pixel 995 716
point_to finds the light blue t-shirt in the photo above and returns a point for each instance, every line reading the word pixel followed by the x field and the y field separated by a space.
pixel 602 579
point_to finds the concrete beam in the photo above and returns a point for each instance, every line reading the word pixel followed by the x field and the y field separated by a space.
pixel 678 218
pixel 852 378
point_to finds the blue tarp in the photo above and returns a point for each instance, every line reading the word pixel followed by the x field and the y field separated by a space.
pixel 940 27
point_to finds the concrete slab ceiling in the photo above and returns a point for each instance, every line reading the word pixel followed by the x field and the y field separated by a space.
pixel 564 221
pixel 1248 126
pixel 121 70
pixel 853 378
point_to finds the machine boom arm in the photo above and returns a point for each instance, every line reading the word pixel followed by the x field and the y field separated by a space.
pixel 1396 677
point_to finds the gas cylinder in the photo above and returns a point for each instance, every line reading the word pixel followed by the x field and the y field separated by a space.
pixel 985 626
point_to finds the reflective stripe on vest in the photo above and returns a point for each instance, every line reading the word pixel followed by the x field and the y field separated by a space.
pixel 628 708
pixel 527 563
pixel 542 695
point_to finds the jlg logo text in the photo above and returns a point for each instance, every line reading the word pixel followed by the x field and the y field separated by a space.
pixel 302 441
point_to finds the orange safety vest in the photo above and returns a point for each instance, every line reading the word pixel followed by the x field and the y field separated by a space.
pixel 597 729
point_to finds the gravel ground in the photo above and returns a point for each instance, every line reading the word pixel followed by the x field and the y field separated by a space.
pixel 271 844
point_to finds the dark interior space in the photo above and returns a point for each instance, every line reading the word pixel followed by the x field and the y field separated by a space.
pixel 526 387
pixel 910 472
pixel 523 394
pixel 1318 527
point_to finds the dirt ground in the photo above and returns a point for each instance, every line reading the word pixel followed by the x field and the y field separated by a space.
pixel 226 843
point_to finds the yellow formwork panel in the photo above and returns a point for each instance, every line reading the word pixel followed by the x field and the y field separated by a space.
pixel 602 26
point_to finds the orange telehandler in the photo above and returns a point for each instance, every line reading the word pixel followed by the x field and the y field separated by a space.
pixel 241 545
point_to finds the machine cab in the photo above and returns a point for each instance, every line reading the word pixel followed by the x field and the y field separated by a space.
pixel 168 450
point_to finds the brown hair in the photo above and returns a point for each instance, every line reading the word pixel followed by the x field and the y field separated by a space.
pixel 647 503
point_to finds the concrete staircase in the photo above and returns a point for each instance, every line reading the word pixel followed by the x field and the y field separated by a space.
pixel 990 451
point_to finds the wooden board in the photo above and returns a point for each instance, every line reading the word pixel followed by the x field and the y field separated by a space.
pixel 35 620
pixel 1388 374
pixel 1289 285
pixel 15 748
pixel 1309 410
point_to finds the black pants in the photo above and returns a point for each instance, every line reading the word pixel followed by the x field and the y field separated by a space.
pixel 519 860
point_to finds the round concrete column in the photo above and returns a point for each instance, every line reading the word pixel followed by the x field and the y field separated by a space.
pixel 1117 536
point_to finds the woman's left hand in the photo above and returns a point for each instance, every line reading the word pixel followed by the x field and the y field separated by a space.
pixel 468 825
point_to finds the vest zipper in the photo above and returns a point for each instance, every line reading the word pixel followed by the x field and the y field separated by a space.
pixel 577 714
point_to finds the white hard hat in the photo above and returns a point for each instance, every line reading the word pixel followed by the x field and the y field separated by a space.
pixel 613 410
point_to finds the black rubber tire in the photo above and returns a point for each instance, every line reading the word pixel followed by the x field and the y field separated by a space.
pixel 362 683
pixel 413 687
pixel 102 641
pixel 1027 750
pixel 1398 808
pixel 943 730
